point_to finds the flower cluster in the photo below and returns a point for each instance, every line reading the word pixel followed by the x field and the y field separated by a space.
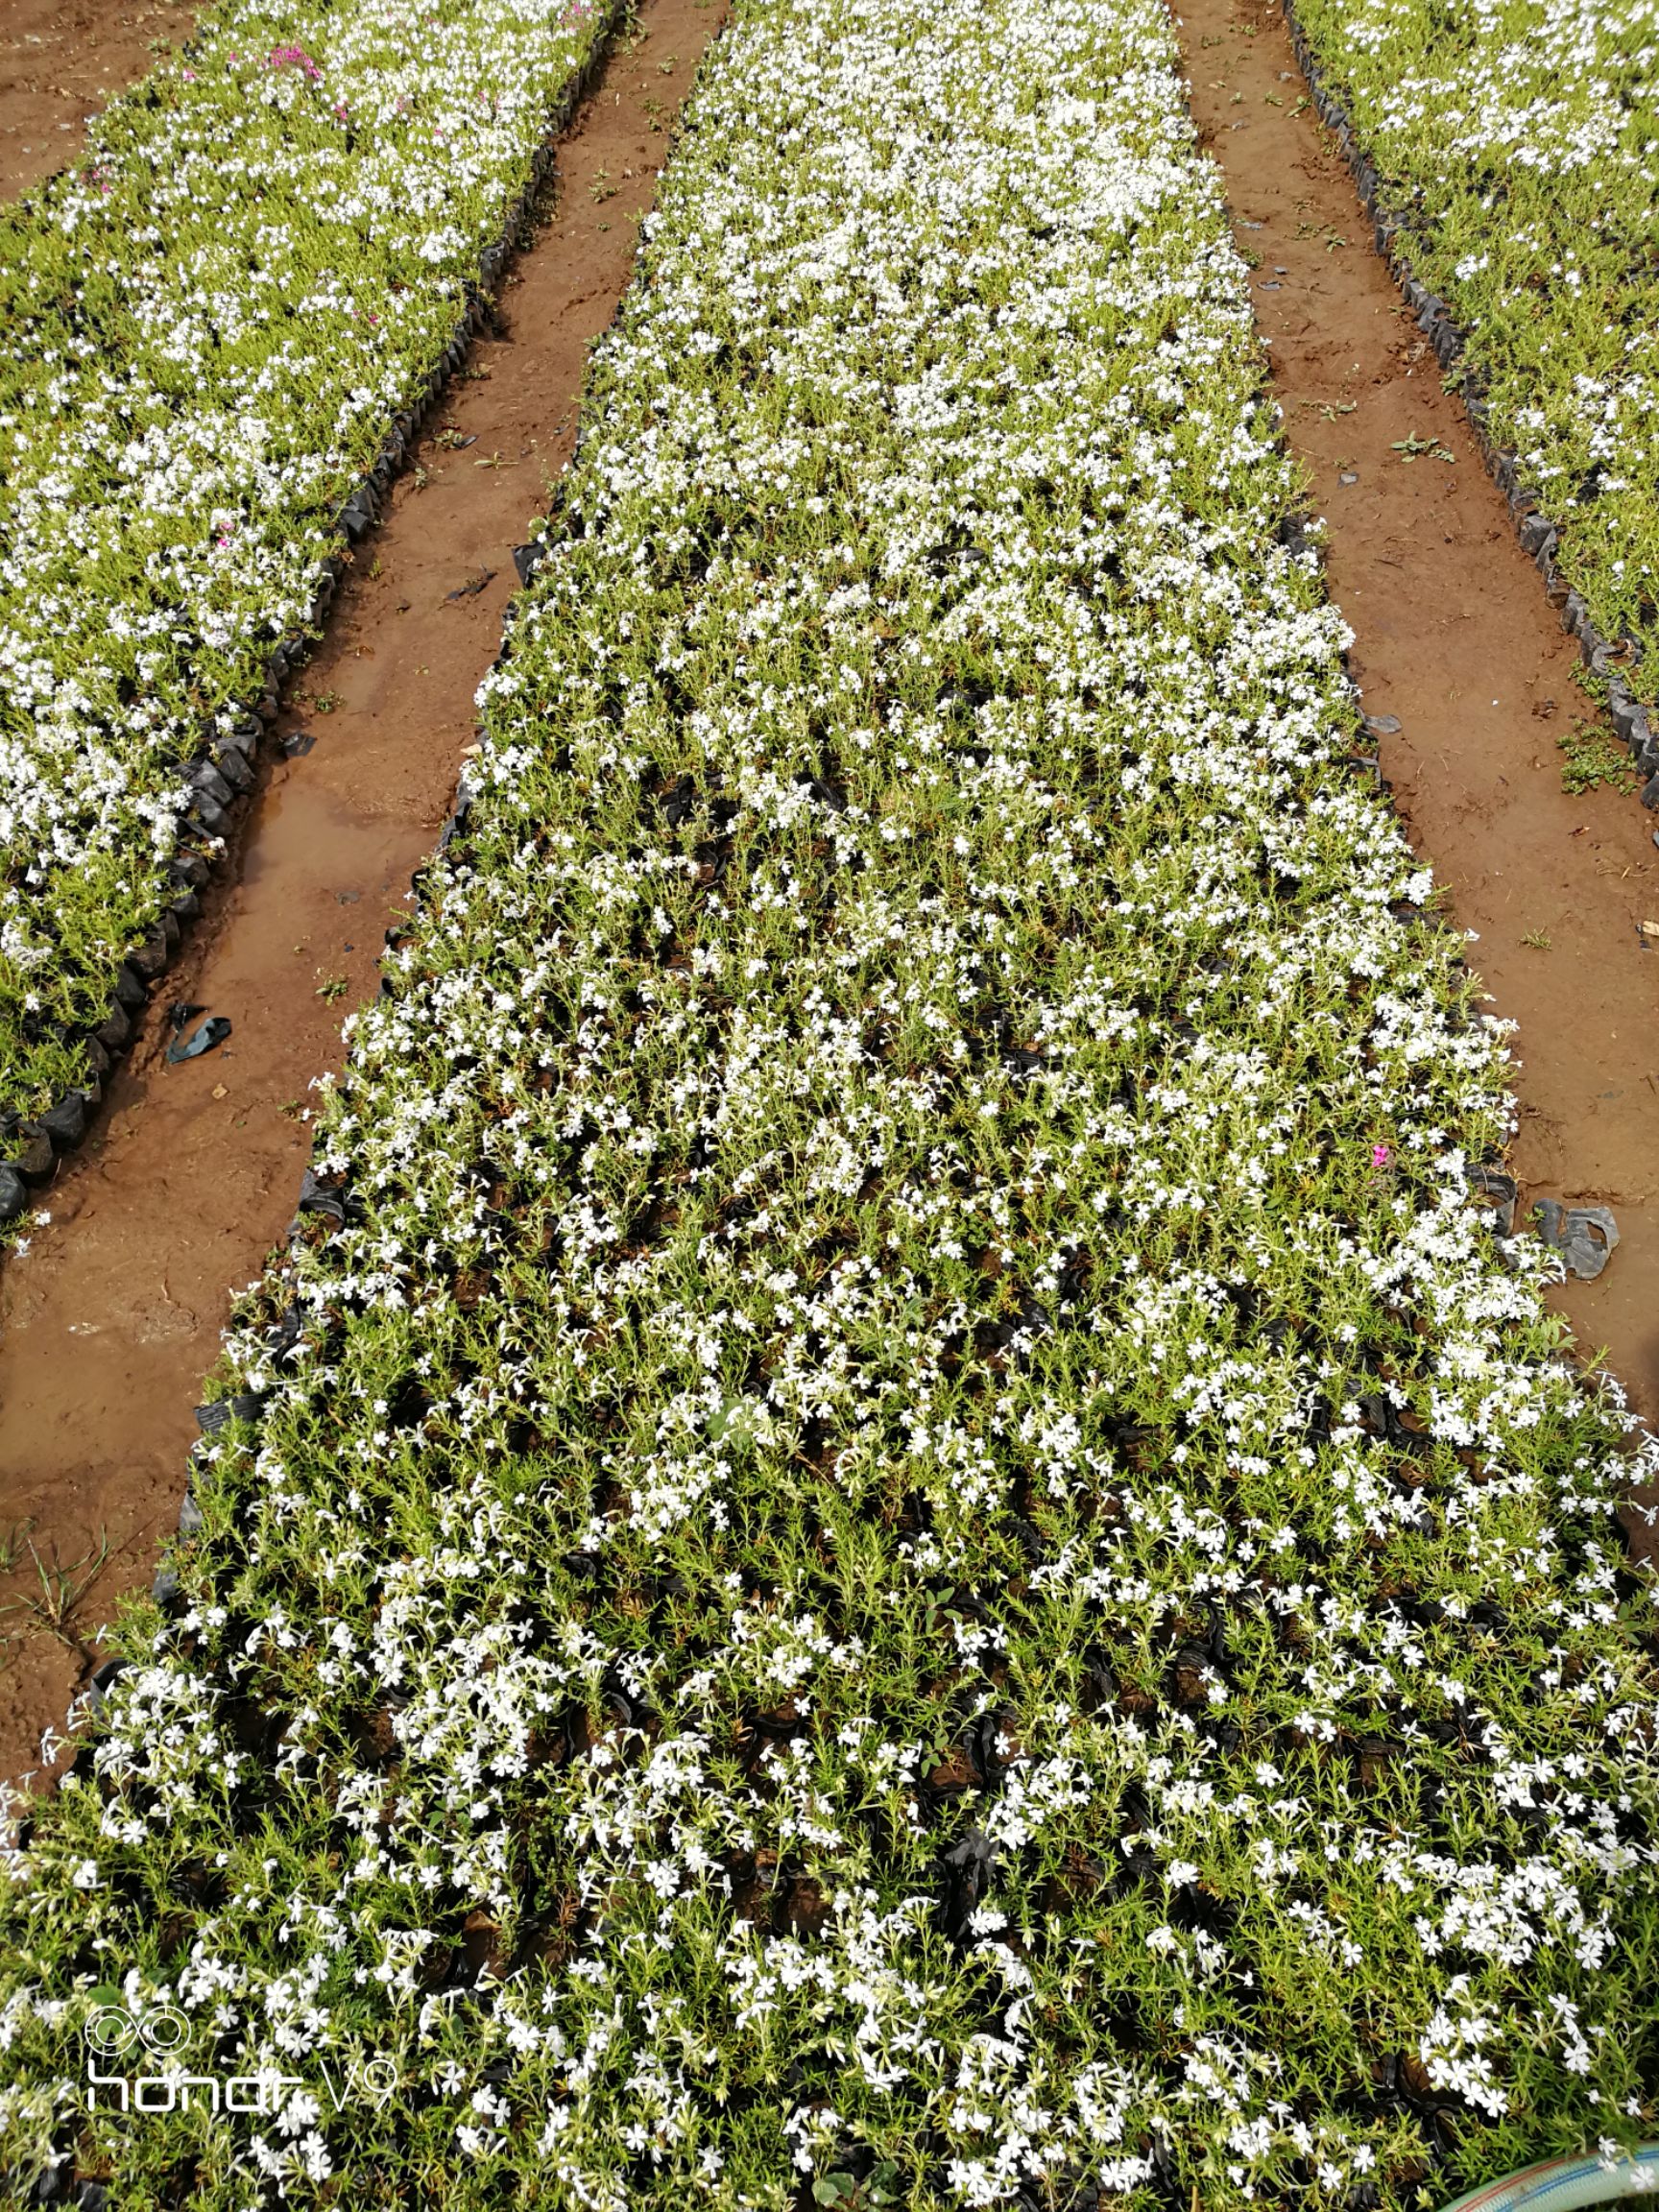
pixel 1515 143
pixel 894 1536
pixel 211 326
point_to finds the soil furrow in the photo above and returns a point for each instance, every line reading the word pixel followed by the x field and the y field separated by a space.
pixel 1460 659
pixel 110 1318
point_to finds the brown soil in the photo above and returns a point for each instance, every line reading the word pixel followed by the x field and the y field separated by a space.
pixel 1456 639
pixel 111 1318
pixel 59 61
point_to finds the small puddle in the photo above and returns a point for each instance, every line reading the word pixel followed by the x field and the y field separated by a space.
pixel 1457 644
pixel 111 1318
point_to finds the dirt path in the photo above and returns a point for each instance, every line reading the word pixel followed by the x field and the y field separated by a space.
pixel 111 1320
pixel 1457 643
pixel 59 61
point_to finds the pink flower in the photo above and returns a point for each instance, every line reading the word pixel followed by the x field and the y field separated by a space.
pixel 296 57
pixel 1380 1155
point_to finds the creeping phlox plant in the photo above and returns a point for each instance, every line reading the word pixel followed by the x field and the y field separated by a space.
pixel 894 1537
pixel 210 326
pixel 1517 143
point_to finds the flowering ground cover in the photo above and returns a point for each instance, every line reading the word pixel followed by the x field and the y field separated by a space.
pixel 212 324
pixel 1514 144
pixel 895 1537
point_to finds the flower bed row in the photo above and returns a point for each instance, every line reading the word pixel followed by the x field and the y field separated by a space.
pixel 894 1537
pixel 221 329
pixel 1508 154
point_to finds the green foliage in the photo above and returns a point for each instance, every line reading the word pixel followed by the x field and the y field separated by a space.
pixel 1592 758
pixel 211 323
pixel 893 1536
pixel 1515 142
